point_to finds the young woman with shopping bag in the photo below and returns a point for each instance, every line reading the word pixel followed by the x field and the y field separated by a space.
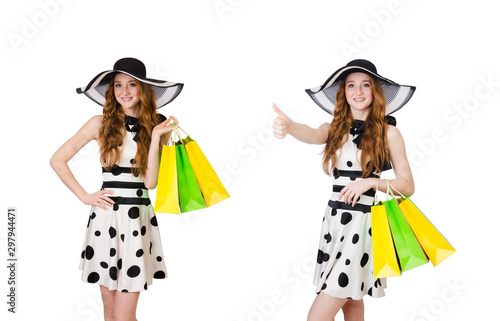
pixel 122 250
pixel 360 142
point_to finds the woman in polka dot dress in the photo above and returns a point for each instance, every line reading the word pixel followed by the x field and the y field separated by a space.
pixel 360 143
pixel 122 251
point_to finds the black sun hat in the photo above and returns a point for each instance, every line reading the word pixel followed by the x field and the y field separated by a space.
pixel 165 91
pixel 325 96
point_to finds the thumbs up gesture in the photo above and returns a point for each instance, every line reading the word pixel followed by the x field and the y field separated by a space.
pixel 281 124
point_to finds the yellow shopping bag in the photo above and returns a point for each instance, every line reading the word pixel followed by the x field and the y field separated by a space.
pixel 211 187
pixel 167 192
pixel 385 262
pixel 432 241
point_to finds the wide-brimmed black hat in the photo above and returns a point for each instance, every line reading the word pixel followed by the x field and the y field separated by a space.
pixel 325 96
pixel 165 91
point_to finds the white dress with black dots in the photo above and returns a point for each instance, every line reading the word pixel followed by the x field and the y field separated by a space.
pixel 122 248
pixel 344 263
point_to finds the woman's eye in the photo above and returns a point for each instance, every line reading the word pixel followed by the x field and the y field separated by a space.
pixel 117 85
pixel 366 85
pixel 133 84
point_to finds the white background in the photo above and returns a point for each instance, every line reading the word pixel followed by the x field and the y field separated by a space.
pixel 251 258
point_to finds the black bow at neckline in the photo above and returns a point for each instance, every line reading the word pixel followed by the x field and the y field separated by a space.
pixel 358 128
pixel 132 125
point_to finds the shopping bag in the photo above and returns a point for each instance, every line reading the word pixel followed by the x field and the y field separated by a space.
pixel 435 245
pixel 190 197
pixel 409 251
pixel 385 262
pixel 211 187
pixel 167 192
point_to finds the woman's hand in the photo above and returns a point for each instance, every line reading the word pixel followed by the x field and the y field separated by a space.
pixel 352 192
pixel 281 124
pixel 284 125
pixel 164 127
pixel 99 199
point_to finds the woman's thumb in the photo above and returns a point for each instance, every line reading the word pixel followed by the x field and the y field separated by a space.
pixel 278 111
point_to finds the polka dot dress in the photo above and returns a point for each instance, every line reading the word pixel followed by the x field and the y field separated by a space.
pixel 122 248
pixel 344 263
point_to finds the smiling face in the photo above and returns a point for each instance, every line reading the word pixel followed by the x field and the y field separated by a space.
pixel 127 94
pixel 359 96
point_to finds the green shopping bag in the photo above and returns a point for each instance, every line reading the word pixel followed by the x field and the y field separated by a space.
pixel 190 197
pixel 408 249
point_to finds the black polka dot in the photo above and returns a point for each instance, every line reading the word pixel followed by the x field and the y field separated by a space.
pixel 143 230
pixel 343 280
pixel 370 231
pixel 370 292
pixel 83 254
pixel 122 237
pixel 353 178
pixel 150 247
pixel 113 273
pixel 339 254
pixel 88 223
pixel 364 259
pixel 112 252
pixel 328 237
pixel 139 192
pixel 159 275
pixel 346 218
pixel 132 161
pixel 93 277
pixel 159 259
pixel 139 253
pixel 322 257
pixel 334 211
pixel 112 232
pixel 355 239
pixel 342 239
pixel 133 212
pixel 347 262
pixel 116 207
pixel 154 222
pixel 89 252
pixel 324 286
pixel 125 291
pixel 133 271
pixel 135 233
pixel 362 286
pixel 349 163
pixel 119 264
pixel 145 286
pixel 97 233
pixel 104 265
pixel 115 171
pixel 93 215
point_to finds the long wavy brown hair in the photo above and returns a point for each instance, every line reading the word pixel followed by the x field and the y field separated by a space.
pixel 112 131
pixel 374 148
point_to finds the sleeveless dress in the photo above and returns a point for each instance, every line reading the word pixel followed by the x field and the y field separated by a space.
pixel 344 266
pixel 122 248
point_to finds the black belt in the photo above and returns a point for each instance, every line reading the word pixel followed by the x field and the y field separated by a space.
pixel 130 200
pixel 344 206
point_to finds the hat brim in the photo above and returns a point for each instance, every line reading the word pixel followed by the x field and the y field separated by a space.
pixel 165 91
pixel 325 96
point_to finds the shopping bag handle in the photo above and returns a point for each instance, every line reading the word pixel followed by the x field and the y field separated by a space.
pixel 376 196
pixel 390 188
pixel 176 131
